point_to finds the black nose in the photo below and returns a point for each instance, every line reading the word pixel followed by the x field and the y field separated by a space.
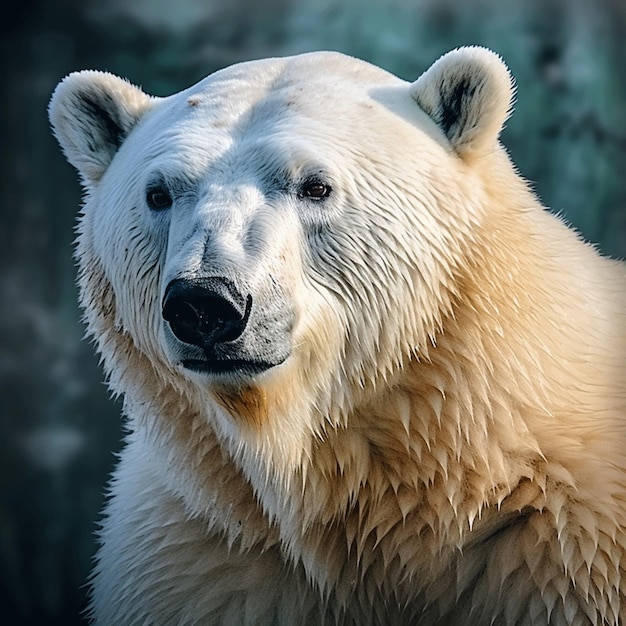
pixel 205 311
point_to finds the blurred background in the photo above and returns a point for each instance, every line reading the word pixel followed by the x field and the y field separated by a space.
pixel 59 429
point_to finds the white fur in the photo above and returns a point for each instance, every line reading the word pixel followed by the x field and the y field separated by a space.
pixel 446 442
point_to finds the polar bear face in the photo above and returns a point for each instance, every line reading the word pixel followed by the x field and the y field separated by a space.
pixel 284 224
pixel 328 300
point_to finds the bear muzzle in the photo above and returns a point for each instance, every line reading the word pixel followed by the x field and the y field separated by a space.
pixel 209 316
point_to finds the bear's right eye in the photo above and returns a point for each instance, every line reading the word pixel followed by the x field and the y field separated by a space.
pixel 158 199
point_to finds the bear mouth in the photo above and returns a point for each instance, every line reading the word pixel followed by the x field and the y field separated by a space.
pixel 229 366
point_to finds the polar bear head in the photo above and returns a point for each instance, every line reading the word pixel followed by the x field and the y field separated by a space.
pixel 281 237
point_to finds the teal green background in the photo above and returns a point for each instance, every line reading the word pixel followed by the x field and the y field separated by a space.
pixel 58 426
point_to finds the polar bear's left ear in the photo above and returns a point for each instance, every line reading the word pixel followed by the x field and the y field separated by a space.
pixel 468 92
pixel 91 114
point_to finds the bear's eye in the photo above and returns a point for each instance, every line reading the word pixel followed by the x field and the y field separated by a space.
pixel 314 189
pixel 158 198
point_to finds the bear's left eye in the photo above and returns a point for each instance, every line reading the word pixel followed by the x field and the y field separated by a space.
pixel 158 198
pixel 314 189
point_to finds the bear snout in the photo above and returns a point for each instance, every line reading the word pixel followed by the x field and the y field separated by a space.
pixel 218 328
pixel 206 311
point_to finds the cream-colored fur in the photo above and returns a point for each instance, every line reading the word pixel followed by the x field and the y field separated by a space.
pixel 446 443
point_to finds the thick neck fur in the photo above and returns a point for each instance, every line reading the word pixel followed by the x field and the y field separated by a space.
pixel 490 428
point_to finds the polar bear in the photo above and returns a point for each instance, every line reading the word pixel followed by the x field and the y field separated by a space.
pixel 368 378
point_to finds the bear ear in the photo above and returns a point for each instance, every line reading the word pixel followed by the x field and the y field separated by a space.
pixel 468 92
pixel 91 113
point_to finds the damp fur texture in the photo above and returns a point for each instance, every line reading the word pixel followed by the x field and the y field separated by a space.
pixel 439 435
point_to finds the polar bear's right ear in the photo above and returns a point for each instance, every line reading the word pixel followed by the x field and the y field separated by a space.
pixel 91 113
pixel 468 93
